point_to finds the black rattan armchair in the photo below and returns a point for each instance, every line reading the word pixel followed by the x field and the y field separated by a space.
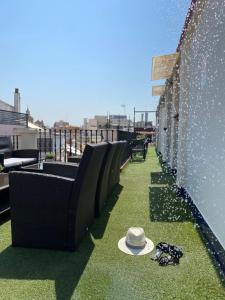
pixel 54 212
pixel 138 147
pixel 109 165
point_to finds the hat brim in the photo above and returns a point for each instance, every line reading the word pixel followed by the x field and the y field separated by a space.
pixel 149 246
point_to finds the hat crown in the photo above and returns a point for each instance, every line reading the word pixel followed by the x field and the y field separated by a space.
pixel 135 237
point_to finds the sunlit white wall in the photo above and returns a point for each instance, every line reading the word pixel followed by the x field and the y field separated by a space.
pixel 159 140
pixel 201 155
pixel 174 123
pixel 162 134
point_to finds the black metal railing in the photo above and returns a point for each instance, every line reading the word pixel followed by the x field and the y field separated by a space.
pixel 67 142
pixel 9 142
pixel 15 141
pixel 13 118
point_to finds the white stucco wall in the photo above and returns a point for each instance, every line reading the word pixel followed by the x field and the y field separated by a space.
pixel 162 133
pixel 174 123
pixel 201 154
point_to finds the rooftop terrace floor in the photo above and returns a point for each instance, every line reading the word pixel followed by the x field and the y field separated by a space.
pixel 98 270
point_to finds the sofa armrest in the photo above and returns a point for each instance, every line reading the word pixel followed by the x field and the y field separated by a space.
pixel 61 169
pixel 26 153
pixel 75 159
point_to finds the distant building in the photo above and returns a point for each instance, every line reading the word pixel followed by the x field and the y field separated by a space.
pixel 61 124
pixel 119 121
pixel 142 124
pixel 98 122
pixel 11 117
pixel 102 121
pixel 40 123
pixel 16 107
pixel 90 124
pixel 30 118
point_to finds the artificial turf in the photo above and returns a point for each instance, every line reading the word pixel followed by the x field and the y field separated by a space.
pixel 98 270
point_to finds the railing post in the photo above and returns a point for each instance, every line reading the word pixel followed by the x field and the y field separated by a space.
pixel 85 136
pixel 70 144
pixel 17 142
pixel 50 139
pixel 91 136
pixel 81 141
pixel 112 134
pixel 65 150
pixel 75 141
pixel 96 137
pixel 13 138
pixel 45 142
pixel 40 148
pixel 55 143
pixel 60 144
pixel 102 135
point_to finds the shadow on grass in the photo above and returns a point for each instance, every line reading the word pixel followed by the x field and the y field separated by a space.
pixel 215 251
pixel 165 206
pixel 99 226
pixel 161 178
pixel 137 161
pixel 137 158
pixel 64 268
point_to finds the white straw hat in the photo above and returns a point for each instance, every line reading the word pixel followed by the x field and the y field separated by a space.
pixel 135 242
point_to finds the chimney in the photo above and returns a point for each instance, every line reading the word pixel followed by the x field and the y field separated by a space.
pixel 17 100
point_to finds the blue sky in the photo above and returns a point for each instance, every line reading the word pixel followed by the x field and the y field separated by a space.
pixel 74 59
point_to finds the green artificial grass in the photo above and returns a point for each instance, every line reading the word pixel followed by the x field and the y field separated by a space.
pixel 98 270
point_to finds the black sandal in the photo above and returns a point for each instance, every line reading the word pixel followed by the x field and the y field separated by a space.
pixel 168 260
pixel 175 253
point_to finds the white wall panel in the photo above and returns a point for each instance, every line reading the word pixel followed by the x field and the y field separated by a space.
pixel 203 174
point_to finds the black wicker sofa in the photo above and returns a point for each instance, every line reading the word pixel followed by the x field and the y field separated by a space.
pixel 14 159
